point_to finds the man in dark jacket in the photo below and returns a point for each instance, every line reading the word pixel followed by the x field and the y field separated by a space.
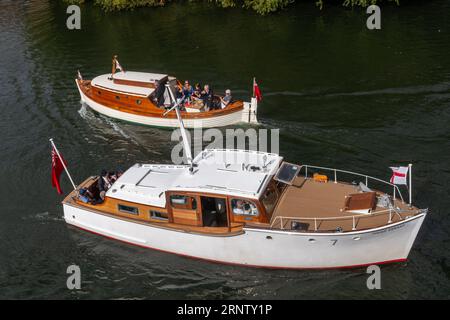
pixel 207 96
pixel 103 183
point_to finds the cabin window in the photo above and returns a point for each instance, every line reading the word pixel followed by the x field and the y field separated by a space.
pixel 128 209
pixel 139 102
pixel 183 202
pixel 242 207
pixel 158 215
pixel 99 92
pixel 117 98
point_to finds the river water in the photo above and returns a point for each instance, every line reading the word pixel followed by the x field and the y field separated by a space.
pixel 343 96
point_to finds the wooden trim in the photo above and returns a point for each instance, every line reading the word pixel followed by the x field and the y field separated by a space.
pixel 127 103
pixel 134 83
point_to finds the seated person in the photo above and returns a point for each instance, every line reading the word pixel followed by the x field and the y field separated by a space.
pixel 206 95
pixel 112 177
pixel 239 207
pixel 86 196
pixel 104 183
pixel 118 173
pixel 225 101
pixel 187 92
pixel 243 207
pixel 197 92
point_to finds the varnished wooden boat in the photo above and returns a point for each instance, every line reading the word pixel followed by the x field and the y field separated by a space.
pixel 133 97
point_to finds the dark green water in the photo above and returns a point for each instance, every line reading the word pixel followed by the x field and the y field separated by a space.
pixel 343 96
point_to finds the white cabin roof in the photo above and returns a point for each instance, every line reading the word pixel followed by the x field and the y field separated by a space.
pixel 227 172
pixel 139 76
pixel 104 81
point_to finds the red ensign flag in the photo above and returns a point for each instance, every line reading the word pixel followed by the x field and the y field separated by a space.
pixel 256 91
pixel 57 168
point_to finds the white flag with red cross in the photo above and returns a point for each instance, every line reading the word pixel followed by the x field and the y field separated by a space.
pixel 399 175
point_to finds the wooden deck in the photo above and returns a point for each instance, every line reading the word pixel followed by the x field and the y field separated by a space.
pixel 319 206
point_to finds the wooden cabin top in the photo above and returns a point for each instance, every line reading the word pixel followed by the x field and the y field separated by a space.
pixel 140 76
pixel 222 172
pixel 131 82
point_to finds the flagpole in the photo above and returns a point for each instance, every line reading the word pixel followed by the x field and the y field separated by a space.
pixel 253 87
pixel 62 162
pixel 410 184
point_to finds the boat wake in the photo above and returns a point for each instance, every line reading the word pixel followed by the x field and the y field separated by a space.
pixel 443 87
pixel 44 217
pixel 423 89
pixel 92 119
pixel 138 136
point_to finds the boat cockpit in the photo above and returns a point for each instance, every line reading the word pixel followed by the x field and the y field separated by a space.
pixel 190 100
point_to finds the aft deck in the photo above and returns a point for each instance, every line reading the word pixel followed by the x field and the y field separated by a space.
pixel 320 207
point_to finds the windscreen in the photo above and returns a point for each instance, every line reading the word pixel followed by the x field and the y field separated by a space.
pixel 287 172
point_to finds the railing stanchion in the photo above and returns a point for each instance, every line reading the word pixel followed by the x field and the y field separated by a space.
pixel 306 172
pixel 390 215
pixel 394 193
pixel 335 176
pixel 367 181
pixel 281 221
pixel 315 224
pixel 354 224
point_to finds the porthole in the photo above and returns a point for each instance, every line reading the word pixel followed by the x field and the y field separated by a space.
pixel 139 102
pixel 356 238
pixel 312 240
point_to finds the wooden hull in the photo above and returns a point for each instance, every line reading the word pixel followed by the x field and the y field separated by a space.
pixel 261 247
pixel 153 116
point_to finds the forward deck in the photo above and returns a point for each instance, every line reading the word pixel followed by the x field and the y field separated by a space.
pixel 320 207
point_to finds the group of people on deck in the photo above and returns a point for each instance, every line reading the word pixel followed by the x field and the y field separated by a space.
pixel 105 181
pixel 188 95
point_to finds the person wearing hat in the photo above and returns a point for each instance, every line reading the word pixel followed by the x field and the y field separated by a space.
pixel 225 101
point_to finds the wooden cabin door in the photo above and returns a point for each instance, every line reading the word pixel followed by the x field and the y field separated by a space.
pixel 185 209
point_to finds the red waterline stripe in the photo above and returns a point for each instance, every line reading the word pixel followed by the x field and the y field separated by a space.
pixel 239 264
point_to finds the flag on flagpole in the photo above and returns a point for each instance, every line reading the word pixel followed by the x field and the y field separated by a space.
pixel 256 92
pixel 80 77
pixel 57 168
pixel 399 175
pixel 118 66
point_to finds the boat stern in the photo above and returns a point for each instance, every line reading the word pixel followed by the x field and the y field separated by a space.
pixel 250 111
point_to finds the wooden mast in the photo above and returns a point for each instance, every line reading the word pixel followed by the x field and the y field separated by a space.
pixel 113 69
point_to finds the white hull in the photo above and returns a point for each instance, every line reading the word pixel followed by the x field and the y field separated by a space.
pixel 262 248
pixel 244 115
